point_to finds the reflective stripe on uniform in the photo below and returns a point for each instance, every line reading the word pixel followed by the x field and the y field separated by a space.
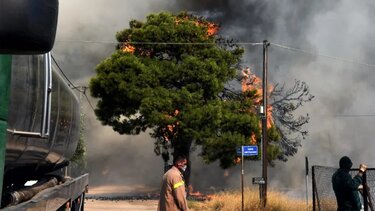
pixel 178 184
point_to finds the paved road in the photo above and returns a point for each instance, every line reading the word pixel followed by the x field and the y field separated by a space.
pixel 108 205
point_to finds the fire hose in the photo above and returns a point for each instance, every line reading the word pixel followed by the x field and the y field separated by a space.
pixel 16 197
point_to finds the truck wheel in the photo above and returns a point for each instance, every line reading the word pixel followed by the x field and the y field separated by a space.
pixel 78 203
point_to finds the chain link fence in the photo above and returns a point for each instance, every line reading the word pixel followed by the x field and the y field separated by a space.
pixel 323 196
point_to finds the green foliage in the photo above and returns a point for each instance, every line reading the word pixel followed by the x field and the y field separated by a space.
pixel 79 156
pixel 233 125
pixel 177 91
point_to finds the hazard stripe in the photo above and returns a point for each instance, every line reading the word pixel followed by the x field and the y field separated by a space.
pixel 178 184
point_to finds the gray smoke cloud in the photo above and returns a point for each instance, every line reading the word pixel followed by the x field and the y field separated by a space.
pixel 341 29
pixel 112 159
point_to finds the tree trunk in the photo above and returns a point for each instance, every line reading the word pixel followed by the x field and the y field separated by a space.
pixel 183 148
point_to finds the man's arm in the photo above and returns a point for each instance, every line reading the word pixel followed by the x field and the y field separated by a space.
pixel 357 179
pixel 355 182
pixel 179 193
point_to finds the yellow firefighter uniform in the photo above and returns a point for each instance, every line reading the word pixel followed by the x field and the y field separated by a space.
pixel 173 194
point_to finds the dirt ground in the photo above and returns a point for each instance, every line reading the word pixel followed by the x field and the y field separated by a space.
pixel 120 205
pixel 118 191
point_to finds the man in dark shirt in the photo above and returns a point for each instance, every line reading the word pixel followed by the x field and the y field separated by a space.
pixel 346 187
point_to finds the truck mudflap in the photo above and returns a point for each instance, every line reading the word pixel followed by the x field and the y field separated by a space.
pixel 67 196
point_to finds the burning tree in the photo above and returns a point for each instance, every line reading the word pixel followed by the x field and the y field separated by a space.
pixel 285 102
pixel 169 76
pixel 284 128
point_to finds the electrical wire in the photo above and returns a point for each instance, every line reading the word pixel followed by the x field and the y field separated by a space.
pixel 157 43
pixel 354 115
pixel 92 107
pixel 89 41
pixel 62 72
pixel 237 43
pixel 322 55
pixel 234 43
pixel 133 43
pixel 71 85
pixel 333 58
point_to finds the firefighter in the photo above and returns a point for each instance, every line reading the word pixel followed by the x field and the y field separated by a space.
pixel 173 194
pixel 345 187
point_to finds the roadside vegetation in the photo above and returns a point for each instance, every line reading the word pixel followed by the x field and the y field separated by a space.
pixel 231 200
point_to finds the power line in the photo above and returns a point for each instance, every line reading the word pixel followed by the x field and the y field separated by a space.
pixel 354 115
pixel 322 55
pixel 70 84
pixel 92 107
pixel 133 43
pixel 202 43
pixel 84 93
pixel 191 43
pixel 62 72
pixel 214 43
pixel 334 58
pixel 158 43
pixel 89 41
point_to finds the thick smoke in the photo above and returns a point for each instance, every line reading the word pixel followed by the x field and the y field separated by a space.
pixel 341 113
pixel 113 159
pixel 339 29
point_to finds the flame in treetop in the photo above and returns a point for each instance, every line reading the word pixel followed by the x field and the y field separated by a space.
pixel 170 63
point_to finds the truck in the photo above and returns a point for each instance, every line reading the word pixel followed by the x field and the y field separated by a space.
pixel 39 113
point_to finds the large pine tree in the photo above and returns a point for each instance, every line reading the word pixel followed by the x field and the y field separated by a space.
pixel 168 76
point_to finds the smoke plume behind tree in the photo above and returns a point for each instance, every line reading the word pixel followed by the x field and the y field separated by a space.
pixel 341 29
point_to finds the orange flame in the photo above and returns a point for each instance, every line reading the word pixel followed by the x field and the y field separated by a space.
pixel 237 160
pixel 199 195
pixel 170 128
pixel 251 82
pixel 126 47
pixel 192 193
pixel 253 140
pixel 212 28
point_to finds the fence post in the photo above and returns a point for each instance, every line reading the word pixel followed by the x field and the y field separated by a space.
pixel 313 186
pixel 365 195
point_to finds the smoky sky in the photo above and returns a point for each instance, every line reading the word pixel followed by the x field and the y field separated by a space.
pixel 338 34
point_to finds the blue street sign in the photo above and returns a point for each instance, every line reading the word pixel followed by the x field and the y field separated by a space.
pixel 248 150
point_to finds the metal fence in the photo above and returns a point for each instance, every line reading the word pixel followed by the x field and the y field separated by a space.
pixel 323 196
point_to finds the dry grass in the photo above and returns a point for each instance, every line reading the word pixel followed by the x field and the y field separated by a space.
pixel 231 200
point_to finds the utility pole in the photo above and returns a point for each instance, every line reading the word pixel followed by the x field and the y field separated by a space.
pixel 307 181
pixel 242 173
pixel 264 125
